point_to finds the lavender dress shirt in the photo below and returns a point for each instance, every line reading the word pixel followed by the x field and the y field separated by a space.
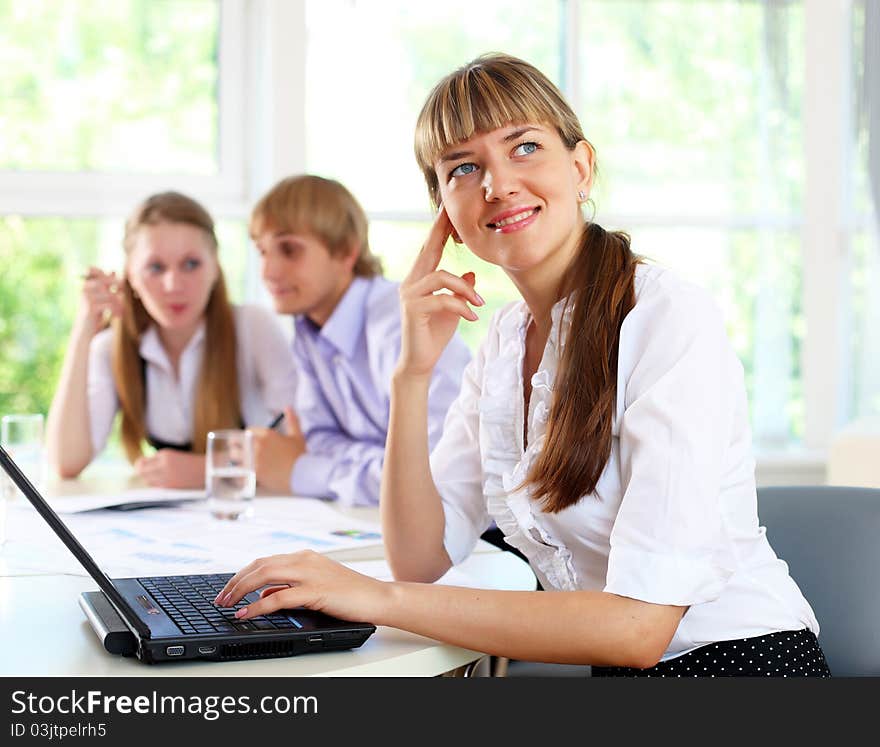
pixel 343 392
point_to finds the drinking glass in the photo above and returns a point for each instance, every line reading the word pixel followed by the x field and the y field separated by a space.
pixel 22 437
pixel 230 477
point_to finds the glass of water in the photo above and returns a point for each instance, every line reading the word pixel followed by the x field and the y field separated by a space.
pixel 22 437
pixel 230 477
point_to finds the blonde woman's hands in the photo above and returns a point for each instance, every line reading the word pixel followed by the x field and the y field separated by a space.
pixel 429 314
pixel 307 579
pixel 101 298
pixel 171 468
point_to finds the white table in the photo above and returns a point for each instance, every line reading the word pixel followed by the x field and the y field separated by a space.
pixel 43 630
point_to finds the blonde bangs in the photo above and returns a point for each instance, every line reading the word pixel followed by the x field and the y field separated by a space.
pixel 491 92
pixel 323 208
pixel 285 209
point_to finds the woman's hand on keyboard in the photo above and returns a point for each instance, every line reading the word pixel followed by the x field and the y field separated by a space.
pixel 306 579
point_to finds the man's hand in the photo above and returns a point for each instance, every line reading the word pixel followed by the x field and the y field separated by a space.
pixel 276 453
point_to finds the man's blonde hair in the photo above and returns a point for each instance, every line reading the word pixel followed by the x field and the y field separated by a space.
pixel 323 208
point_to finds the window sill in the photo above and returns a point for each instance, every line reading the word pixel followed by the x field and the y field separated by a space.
pixel 791 467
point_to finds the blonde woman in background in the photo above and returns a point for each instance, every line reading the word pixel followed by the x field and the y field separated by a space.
pixel 176 359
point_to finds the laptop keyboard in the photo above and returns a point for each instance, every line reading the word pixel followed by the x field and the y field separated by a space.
pixel 189 602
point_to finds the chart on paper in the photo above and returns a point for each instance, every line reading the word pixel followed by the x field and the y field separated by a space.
pixel 185 539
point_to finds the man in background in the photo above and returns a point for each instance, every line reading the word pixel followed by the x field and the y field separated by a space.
pixel 316 262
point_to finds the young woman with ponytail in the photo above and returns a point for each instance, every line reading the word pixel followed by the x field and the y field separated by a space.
pixel 162 345
pixel 603 426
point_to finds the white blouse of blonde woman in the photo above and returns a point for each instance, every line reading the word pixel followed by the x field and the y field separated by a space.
pixel 172 269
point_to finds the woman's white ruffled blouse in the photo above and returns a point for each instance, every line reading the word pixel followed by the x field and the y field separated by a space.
pixel 673 519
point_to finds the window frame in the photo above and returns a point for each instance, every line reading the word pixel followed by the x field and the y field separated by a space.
pixel 98 194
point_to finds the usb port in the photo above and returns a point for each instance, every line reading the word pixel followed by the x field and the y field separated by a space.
pixel 314 639
pixel 174 651
pixel 207 649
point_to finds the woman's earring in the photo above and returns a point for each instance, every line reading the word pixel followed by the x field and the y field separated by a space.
pixel 593 208
pixel 581 195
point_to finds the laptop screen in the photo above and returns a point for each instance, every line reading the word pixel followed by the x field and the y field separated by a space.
pixel 66 536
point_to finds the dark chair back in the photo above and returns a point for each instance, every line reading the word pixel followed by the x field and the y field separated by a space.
pixel 830 538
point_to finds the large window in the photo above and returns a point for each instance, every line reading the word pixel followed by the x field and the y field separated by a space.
pixel 83 82
pixel 694 108
pixel 701 112
pixel 695 111
pixel 370 66
pixel 102 104
pixel 361 116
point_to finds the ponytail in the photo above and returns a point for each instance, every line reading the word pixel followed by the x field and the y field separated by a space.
pixel 600 293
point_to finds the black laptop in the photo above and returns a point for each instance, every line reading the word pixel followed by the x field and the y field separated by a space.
pixel 173 617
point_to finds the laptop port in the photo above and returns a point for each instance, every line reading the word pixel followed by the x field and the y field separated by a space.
pixel 174 650
pixel 315 639
pixel 207 649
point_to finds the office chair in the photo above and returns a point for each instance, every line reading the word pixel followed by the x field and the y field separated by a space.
pixel 830 538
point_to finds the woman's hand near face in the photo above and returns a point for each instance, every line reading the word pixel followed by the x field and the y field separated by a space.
pixel 170 468
pixel 69 416
pixel 412 513
pixel 430 314
pixel 307 579
pixel 101 297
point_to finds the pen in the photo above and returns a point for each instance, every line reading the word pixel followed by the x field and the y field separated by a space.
pixel 276 420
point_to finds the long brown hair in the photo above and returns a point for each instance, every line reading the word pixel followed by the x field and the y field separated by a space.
pixel 217 400
pixel 496 91
pixel 324 208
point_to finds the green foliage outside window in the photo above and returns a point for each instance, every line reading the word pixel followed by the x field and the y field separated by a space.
pixel 38 291
pixel 122 86
pixel 43 260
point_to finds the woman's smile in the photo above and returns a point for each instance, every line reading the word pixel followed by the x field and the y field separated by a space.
pixel 515 219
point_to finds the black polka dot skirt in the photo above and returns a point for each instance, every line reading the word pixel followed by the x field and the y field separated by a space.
pixel 785 654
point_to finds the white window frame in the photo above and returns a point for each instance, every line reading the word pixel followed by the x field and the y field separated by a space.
pixel 95 194
pixel 825 235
